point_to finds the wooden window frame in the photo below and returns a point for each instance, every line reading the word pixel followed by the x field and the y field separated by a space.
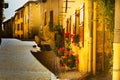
pixel 81 24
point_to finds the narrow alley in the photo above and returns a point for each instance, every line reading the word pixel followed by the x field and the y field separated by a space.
pixel 17 63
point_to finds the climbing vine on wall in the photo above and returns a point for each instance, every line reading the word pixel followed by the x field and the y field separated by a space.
pixel 105 18
pixel 106 10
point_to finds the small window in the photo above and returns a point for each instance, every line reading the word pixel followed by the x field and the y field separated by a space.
pixel 51 19
pixel 18 36
pixel 81 24
pixel 18 15
pixel 21 26
pixel 18 27
pixel 21 36
pixel 21 13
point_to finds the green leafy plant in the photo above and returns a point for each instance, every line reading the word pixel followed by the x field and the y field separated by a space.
pixel 106 10
pixel 67 57
pixel 105 16
pixel 76 38
pixel 58 29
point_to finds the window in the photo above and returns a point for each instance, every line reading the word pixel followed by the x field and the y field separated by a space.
pixel 67 22
pixel 18 26
pixel 81 15
pixel 51 19
pixel 21 36
pixel 18 36
pixel 18 15
pixel 78 24
pixel 21 13
pixel 68 25
pixel 81 24
pixel 22 26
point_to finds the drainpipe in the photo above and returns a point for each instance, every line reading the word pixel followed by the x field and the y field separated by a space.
pixel 94 40
pixel 116 44
pixel 103 44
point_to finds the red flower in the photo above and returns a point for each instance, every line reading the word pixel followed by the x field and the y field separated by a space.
pixel 64 64
pixel 66 34
pixel 71 52
pixel 74 32
pixel 73 41
pixel 77 60
pixel 70 35
pixel 61 49
pixel 66 51
pixel 69 60
pixel 65 56
pixel 61 65
pixel 66 39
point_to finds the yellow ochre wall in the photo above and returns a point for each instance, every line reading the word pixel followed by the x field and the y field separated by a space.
pixel 18 21
pixel 30 19
pixel 26 17
pixel 45 8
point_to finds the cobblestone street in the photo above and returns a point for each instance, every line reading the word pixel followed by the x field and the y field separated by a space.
pixel 17 63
